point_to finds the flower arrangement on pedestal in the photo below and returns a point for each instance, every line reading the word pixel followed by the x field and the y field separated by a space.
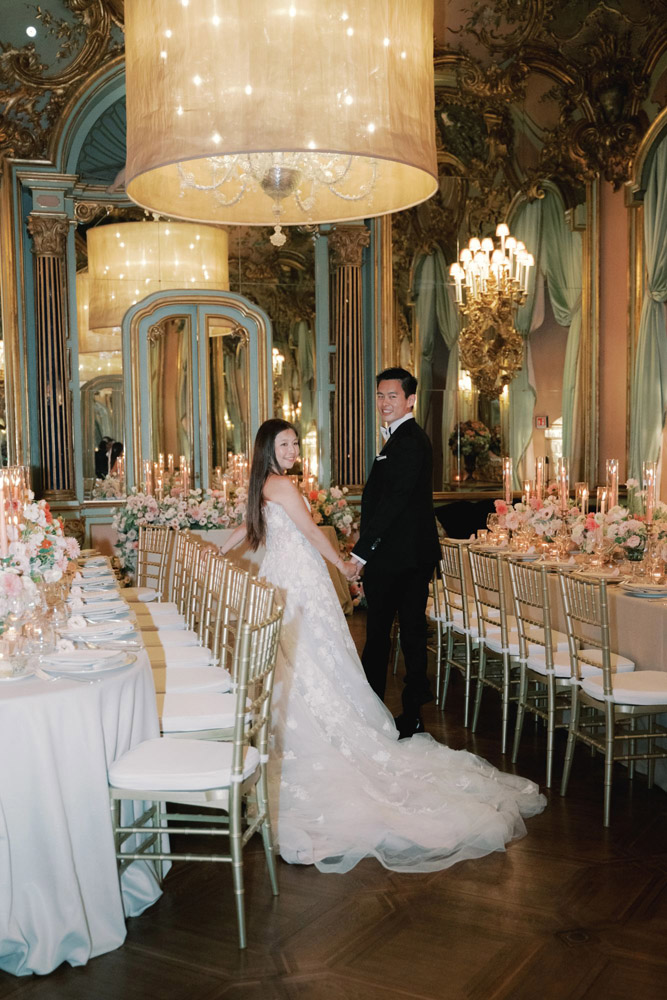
pixel 198 509
pixel 472 440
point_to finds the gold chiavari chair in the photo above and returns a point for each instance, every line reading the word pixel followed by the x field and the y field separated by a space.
pixel 154 550
pixel 177 581
pixel 497 635
pixel 608 696
pixel 218 778
pixel 544 670
pixel 456 620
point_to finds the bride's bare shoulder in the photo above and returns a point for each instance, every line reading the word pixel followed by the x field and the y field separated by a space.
pixel 279 489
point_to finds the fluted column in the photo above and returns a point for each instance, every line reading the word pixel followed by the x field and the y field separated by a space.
pixel 49 242
pixel 346 245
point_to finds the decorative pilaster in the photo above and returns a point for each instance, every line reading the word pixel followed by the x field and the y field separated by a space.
pixel 346 245
pixel 49 241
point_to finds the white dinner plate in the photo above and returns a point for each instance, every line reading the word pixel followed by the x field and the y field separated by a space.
pixel 11 678
pixel 91 594
pixel 600 574
pixel 79 658
pixel 96 572
pixel 633 590
pixel 108 607
pixel 94 561
pixel 125 660
pixel 99 630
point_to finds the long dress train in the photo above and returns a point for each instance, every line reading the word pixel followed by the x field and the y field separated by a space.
pixel 342 787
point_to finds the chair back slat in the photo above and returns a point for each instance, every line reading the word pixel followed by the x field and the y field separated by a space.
pixel 154 550
pixel 587 617
pixel 256 664
pixel 532 608
pixel 453 576
pixel 489 590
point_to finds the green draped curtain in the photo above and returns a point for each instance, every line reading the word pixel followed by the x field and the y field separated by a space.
pixel 436 313
pixel 562 256
pixel 526 226
pixel 649 383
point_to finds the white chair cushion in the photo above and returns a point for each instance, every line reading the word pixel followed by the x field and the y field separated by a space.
pixel 188 657
pixel 561 663
pixel 163 608
pixel 183 713
pixel 144 594
pixel 641 687
pixel 168 621
pixel 164 765
pixel 185 680
pixel 178 637
pixel 558 639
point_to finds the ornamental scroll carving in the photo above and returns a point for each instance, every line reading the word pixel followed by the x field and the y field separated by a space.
pixel 49 235
pixel 32 94
pixel 346 245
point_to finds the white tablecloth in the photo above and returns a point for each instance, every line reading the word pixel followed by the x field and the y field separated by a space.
pixel 59 893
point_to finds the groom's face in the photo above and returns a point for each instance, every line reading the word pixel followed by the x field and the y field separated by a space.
pixel 392 403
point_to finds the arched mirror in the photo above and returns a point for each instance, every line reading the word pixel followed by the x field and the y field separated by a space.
pixel 200 381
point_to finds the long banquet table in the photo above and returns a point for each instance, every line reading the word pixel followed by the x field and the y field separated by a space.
pixel 60 898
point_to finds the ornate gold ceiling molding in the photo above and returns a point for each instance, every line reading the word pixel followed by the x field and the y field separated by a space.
pixel 32 96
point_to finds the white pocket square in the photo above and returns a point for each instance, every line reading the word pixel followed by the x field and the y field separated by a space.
pixel 380 458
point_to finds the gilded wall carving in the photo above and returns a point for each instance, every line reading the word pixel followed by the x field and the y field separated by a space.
pixel 32 94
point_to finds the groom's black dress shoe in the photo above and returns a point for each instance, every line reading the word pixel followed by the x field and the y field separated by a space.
pixel 408 725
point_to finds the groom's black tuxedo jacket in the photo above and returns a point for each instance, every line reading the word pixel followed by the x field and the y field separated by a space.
pixel 397 522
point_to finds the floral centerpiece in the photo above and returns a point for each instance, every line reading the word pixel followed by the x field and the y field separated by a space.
pixel 331 507
pixel 472 439
pixel 627 530
pixel 38 547
pixel 198 509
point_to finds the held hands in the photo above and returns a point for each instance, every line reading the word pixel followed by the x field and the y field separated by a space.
pixel 351 570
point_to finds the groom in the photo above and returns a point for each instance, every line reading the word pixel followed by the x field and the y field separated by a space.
pixel 398 544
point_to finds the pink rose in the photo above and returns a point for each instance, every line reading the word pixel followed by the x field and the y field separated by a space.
pixel 632 542
pixel 501 507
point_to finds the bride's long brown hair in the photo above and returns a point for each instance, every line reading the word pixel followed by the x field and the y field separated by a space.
pixel 264 464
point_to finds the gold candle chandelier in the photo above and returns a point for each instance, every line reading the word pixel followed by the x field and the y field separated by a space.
pixel 129 261
pixel 262 113
pixel 491 282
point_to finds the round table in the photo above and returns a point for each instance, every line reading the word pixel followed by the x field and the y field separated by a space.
pixel 60 897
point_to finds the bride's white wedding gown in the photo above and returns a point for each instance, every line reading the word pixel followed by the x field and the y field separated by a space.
pixel 342 787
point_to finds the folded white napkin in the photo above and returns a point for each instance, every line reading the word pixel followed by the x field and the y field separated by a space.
pixel 76 604
pixel 76 622
pixel 64 645
pixel 163 622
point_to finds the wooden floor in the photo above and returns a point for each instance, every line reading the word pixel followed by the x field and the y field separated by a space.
pixel 570 911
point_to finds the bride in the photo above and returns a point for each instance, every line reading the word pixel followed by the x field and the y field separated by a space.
pixel 341 785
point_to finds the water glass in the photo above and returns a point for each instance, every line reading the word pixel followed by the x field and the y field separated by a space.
pixel 40 638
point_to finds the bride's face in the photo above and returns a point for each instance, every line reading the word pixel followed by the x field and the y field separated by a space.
pixel 287 449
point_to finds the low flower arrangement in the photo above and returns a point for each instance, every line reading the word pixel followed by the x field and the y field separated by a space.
pixel 198 509
pixel 109 488
pixel 627 530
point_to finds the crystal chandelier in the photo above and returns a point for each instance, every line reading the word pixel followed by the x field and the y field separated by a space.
pixel 254 112
pixel 491 282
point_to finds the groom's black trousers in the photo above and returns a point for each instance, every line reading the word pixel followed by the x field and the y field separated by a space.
pixel 404 592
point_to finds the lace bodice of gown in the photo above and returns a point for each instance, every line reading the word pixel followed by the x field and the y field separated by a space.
pixel 342 787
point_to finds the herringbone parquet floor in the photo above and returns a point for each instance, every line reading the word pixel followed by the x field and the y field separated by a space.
pixel 571 911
